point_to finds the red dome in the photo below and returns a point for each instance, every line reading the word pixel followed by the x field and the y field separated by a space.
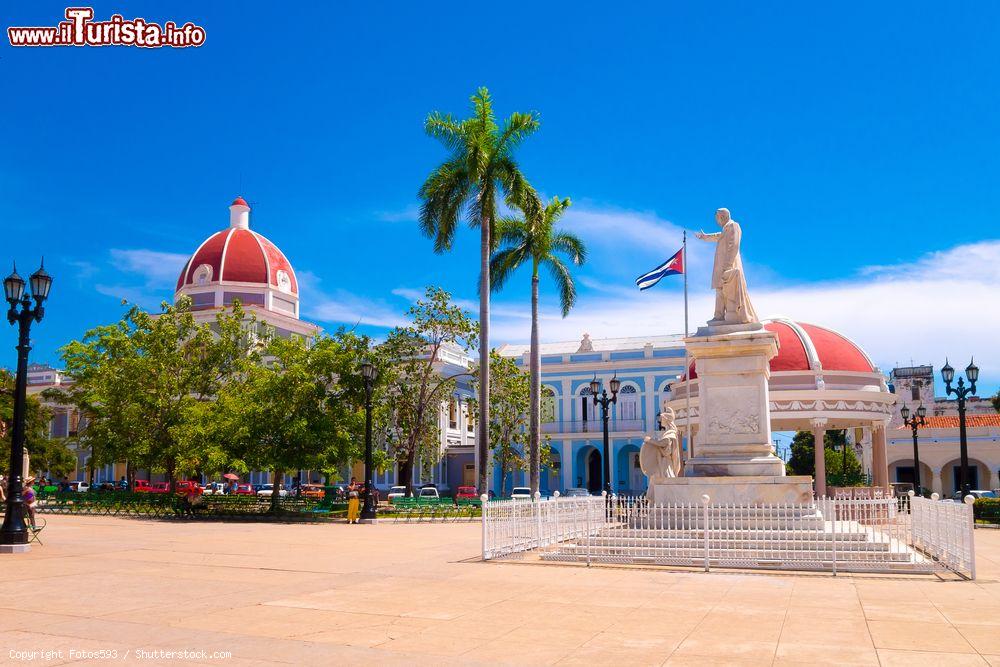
pixel 241 256
pixel 801 346
pixel 240 201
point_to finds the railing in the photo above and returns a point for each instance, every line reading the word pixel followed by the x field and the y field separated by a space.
pixel 593 426
pixel 857 535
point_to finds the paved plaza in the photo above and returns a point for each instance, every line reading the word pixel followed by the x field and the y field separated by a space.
pixel 417 594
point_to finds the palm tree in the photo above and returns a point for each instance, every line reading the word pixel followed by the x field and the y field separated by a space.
pixel 481 166
pixel 534 239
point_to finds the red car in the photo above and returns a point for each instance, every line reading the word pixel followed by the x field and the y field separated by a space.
pixel 245 490
pixel 160 487
pixel 185 487
pixel 142 486
pixel 466 493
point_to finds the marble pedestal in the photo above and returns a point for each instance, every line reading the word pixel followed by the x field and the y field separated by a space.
pixel 734 420
pixel 748 489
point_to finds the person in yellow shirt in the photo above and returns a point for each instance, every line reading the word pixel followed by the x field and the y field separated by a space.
pixel 353 501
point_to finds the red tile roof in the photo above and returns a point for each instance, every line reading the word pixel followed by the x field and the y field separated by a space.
pixel 951 421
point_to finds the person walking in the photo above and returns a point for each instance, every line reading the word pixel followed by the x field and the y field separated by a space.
pixel 353 501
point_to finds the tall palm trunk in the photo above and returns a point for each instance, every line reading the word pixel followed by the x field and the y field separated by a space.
pixel 485 249
pixel 535 390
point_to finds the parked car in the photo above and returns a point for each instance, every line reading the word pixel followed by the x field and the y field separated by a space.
pixel 576 492
pixel 184 487
pixel 396 492
pixel 245 490
pixel 160 487
pixel 79 487
pixel 466 493
pixel 215 489
pixel 976 493
pixel 142 486
pixel 429 492
pixel 313 491
pixel 520 493
pixel 267 490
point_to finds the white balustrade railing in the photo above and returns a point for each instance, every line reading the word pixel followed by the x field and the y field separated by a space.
pixel 848 534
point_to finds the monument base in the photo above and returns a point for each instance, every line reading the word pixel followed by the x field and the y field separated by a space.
pixel 14 548
pixel 748 490
pixel 767 465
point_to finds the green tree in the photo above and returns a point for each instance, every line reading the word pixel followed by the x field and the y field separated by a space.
pixel 418 380
pixel 300 408
pixel 803 461
pixel 142 382
pixel 533 239
pixel 42 450
pixel 509 392
pixel 481 166
pixel 996 401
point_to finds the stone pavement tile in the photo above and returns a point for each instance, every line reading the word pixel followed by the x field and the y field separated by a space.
pixel 432 643
pixel 971 614
pixel 554 616
pixel 588 655
pixel 895 658
pixel 804 653
pixel 657 623
pixel 499 652
pixel 918 636
pixel 483 625
pixel 984 638
pixel 29 620
pixel 994 660
pixel 836 609
pixel 829 632
pixel 365 635
pixel 921 611
pixel 755 627
pixel 721 650
pixel 264 621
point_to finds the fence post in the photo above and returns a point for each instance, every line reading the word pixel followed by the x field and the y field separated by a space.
pixel 555 517
pixel 833 534
pixel 538 519
pixel 705 500
pixel 970 501
pixel 484 499
pixel 586 511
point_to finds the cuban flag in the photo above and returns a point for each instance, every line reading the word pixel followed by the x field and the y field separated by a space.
pixel 671 267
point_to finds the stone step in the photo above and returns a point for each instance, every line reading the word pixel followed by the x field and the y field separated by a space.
pixel 764 544
pixel 751 533
pixel 789 557
pixel 796 523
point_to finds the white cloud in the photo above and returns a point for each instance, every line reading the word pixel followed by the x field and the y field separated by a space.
pixel 943 304
pixel 343 307
pixel 409 214
pixel 159 269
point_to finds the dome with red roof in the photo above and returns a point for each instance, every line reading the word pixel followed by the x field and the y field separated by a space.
pixel 809 347
pixel 239 263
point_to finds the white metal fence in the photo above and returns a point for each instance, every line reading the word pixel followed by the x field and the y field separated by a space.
pixel 858 535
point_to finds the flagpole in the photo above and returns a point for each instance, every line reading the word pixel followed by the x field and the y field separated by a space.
pixel 687 362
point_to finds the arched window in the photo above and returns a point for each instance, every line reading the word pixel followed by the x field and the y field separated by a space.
pixel 284 282
pixel 548 404
pixel 628 403
pixel 588 411
pixel 203 275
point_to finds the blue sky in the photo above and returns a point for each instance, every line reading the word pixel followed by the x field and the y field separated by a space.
pixel 857 145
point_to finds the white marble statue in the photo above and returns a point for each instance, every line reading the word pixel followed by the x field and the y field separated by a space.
pixel 732 302
pixel 660 459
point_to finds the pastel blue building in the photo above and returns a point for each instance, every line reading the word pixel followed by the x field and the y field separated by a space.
pixel 573 424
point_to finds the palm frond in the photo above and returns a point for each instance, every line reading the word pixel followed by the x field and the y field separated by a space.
pixel 571 245
pixel 564 281
pixel 504 263
pixel 442 197
pixel 518 127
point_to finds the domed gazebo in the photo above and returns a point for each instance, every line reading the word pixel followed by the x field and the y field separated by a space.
pixel 819 380
pixel 238 263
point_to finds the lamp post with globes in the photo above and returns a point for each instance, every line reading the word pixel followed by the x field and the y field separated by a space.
pixel 14 532
pixel 368 374
pixel 606 402
pixel 915 423
pixel 961 393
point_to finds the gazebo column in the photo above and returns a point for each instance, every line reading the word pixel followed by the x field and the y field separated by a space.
pixel 880 466
pixel 936 480
pixel 819 449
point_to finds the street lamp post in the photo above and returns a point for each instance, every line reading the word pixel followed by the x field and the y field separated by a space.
pixel 605 402
pixel 14 532
pixel 961 393
pixel 368 373
pixel 915 423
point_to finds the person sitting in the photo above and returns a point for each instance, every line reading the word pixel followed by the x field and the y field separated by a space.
pixel 30 500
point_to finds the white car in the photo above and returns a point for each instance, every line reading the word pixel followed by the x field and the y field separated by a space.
pixel 267 491
pixel 396 492
pixel 79 487
pixel 215 489
pixel 520 493
pixel 429 492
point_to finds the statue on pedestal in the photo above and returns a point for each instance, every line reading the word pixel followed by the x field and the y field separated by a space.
pixel 660 459
pixel 732 302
